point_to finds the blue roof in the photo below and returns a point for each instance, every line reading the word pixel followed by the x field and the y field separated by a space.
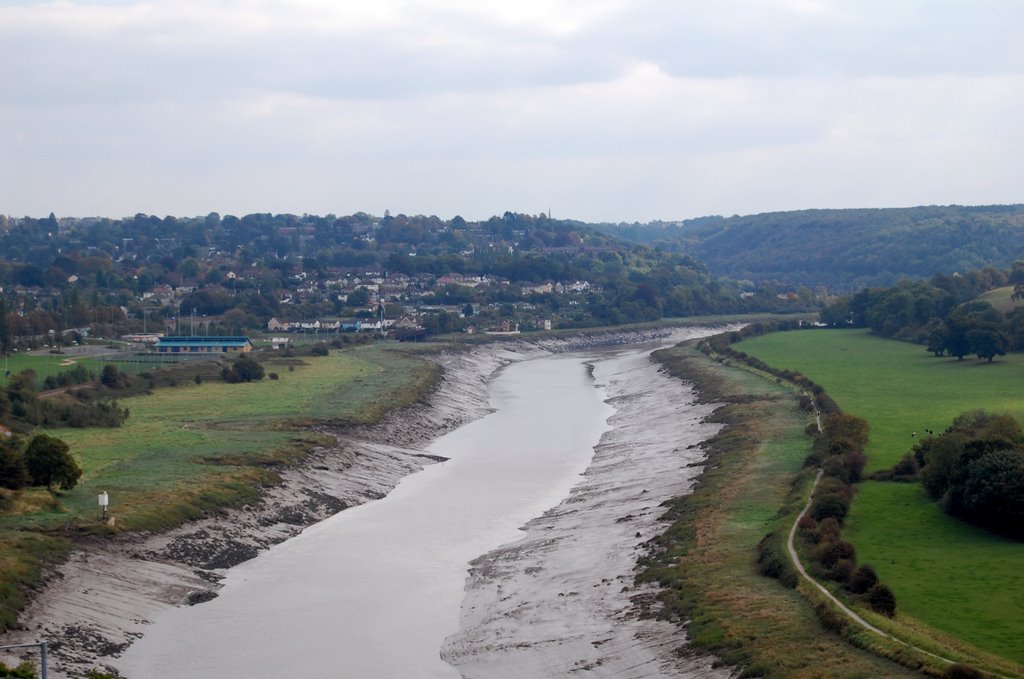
pixel 194 341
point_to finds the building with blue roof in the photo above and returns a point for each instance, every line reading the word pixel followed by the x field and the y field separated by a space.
pixel 213 344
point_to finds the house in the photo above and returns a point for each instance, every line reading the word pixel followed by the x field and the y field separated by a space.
pixel 274 325
pixel 5 432
pixel 213 344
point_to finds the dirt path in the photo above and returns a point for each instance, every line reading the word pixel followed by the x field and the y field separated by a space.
pixel 839 604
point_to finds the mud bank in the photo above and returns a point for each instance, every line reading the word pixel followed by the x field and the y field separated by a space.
pixel 560 602
pixel 104 596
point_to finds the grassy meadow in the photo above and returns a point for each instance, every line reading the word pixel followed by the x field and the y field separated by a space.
pixel 709 568
pixel 189 448
pixel 947 574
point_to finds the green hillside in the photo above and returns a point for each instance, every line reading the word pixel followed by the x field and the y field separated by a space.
pixel 844 250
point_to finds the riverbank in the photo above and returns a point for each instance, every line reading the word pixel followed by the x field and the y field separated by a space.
pixel 104 596
pixel 706 562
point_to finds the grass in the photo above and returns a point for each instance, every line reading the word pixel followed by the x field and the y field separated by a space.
pixel 196 448
pixel 956 578
pixel 45 365
pixel 947 574
pixel 709 565
pixel 188 449
pixel 898 387
pixel 1002 299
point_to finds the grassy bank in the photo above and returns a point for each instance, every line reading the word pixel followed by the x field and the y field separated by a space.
pixel 947 575
pixel 195 448
pixel 746 492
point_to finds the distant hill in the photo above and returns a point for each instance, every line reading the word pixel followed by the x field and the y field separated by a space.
pixel 844 250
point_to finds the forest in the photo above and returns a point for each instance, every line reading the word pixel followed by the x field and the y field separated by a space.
pixel 842 250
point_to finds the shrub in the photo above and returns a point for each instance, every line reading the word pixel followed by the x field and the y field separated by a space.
pixel 198 379
pixel 830 553
pixel 830 505
pixel 863 579
pixel 847 467
pixel 961 671
pixel 773 562
pixel 828 530
pixel 841 571
pixel 830 619
pixel 319 349
pixel 273 376
pixel 111 377
pixel 242 369
pixel 881 599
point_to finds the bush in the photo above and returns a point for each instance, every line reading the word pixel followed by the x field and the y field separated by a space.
pixel 828 554
pixel 773 562
pixel 863 579
pixel 830 618
pixel 111 377
pixel 830 505
pixel 847 467
pixel 882 600
pixel 828 530
pixel 273 376
pixel 961 671
pixel 319 349
pixel 242 369
pixel 841 571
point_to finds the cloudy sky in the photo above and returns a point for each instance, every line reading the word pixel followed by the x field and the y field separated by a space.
pixel 602 110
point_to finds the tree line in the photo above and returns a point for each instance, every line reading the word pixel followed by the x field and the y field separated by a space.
pixel 941 313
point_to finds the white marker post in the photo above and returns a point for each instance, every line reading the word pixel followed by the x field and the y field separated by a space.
pixel 104 500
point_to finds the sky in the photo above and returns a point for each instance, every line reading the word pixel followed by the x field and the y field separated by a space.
pixel 599 110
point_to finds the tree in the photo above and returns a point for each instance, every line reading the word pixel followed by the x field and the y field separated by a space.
pixel 48 460
pixel 359 297
pixel 993 491
pixel 243 369
pixel 987 343
pixel 111 377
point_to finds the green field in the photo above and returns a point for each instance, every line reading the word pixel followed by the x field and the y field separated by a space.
pixel 192 447
pixel 45 365
pixel 900 388
pixel 949 575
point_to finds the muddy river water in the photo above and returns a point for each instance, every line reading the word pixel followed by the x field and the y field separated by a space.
pixel 544 503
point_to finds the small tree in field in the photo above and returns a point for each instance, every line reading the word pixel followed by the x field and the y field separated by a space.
pixel 243 369
pixel 48 461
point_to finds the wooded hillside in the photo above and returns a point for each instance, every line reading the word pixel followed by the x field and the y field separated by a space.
pixel 844 250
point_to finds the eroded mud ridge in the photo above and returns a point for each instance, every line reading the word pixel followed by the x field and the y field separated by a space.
pixel 106 594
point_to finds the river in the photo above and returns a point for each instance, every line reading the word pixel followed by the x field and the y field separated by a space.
pixel 377 590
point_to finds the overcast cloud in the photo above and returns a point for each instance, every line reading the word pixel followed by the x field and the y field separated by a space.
pixel 603 110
